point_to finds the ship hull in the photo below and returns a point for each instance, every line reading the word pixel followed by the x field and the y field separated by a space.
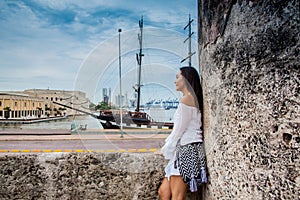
pixel 139 120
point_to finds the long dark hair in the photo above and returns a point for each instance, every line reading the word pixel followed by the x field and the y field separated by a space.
pixel 193 82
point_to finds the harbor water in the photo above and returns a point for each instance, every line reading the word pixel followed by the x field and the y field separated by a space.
pixel 85 121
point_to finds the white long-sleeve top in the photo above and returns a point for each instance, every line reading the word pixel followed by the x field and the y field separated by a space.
pixel 187 128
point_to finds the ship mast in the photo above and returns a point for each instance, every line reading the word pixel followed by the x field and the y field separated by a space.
pixel 139 61
pixel 190 54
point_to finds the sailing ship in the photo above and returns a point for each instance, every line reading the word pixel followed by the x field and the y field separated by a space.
pixel 118 119
pixel 111 119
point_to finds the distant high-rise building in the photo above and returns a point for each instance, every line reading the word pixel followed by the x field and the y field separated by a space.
pixel 120 100
pixel 109 95
pixel 106 93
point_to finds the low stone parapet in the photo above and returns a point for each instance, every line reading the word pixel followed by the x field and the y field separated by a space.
pixel 81 176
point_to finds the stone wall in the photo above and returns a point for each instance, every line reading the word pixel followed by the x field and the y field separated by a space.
pixel 80 176
pixel 249 60
pixel 72 176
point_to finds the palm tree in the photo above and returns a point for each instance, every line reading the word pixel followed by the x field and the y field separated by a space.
pixel 39 111
pixel 6 112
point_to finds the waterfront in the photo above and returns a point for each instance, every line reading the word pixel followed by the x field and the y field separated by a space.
pixel 64 123
pixel 83 121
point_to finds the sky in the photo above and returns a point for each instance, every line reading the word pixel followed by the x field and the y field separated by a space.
pixel 74 45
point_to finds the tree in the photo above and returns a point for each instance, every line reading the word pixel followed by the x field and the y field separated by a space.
pixel 39 111
pixel 103 106
pixel 92 106
pixel 6 112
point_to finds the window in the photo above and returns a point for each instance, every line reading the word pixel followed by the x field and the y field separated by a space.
pixel 16 104
pixel 25 104
pixel 0 103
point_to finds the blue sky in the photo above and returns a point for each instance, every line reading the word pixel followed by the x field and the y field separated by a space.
pixel 73 44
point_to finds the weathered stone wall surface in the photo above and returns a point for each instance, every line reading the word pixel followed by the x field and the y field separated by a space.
pixel 249 57
pixel 80 176
pixel 71 176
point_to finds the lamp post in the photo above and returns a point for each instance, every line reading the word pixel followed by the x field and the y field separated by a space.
pixel 121 110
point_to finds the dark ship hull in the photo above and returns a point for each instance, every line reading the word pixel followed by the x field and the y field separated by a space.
pixel 110 119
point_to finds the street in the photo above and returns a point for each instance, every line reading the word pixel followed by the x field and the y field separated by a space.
pixel 106 142
pixel 82 144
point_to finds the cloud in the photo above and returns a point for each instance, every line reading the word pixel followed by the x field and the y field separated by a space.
pixel 163 50
pixel 45 43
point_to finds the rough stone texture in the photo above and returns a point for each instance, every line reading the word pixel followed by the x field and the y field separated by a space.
pixel 212 19
pixel 22 178
pixel 82 176
pixel 251 79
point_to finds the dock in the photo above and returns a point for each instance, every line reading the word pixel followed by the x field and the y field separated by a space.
pixel 30 120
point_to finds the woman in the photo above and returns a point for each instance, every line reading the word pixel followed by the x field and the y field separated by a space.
pixel 186 131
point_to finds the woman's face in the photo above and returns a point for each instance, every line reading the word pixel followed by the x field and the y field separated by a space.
pixel 179 82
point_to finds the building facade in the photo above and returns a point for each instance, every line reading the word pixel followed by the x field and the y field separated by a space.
pixel 36 103
pixel 17 105
pixel 74 99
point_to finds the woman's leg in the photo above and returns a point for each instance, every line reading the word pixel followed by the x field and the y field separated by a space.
pixel 164 191
pixel 178 188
